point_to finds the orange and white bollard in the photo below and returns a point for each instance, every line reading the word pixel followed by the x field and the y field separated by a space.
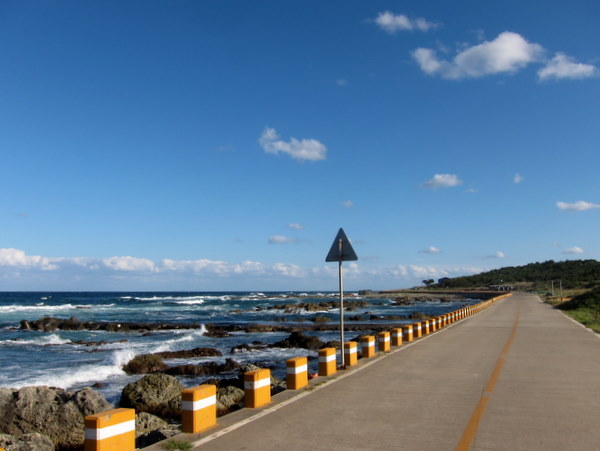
pixel 257 387
pixel 439 323
pixel 425 327
pixel 432 323
pixel 397 336
pixel 198 408
pixel 417 332
pixel 297 373
pixel 110 430
pixel 327 362
pixel 383 340
pixel 367 346
pixel 408 332
pixel 350 353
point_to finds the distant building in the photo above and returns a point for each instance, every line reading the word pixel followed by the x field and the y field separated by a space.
pixel 500 288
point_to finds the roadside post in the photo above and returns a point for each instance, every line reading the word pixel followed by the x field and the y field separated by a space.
pixel 341 250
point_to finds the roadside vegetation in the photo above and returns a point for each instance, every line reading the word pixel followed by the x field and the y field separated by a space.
pixel 572 285
pixel 584 308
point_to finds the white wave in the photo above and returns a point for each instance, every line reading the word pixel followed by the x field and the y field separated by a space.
pixel 177 299
pixel 169 345
pixel 51 339
pixel 191 302
pixel 41 307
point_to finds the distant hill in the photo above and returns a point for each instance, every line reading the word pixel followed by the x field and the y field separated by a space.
pixel 572 273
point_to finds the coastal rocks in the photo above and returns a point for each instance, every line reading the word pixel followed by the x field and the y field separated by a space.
pixel 203 369
pixel 229 398
pixel 50 324
pixel 299 340
pixel 190 353
pixel 50 411
pixel 158 394
pixel 150 429
pixel 144 364
pixel 26 442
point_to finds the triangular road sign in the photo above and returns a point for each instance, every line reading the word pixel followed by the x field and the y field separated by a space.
pixel 339 253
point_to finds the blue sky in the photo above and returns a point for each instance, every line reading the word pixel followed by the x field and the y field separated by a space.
pixel 187 145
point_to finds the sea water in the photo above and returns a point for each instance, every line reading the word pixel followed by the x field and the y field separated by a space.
pixel 53 358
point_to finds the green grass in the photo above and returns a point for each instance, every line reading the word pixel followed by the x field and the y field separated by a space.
pixel 586 316
pixel 585 309
pixel 177 444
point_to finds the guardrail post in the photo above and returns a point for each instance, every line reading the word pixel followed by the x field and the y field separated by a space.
pixel 198 408
pixel 383 340
pixel 408 332
pixel 257 387
pixel 367 346
pixel 350 353
pixel 327 362
pixel 112 429
pixel 297 373
pixel 397 336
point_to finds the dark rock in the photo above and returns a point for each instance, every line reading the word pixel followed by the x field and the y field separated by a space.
pixel 26 442
pixel 229 398
pixel 158 394
pixel 190 353
pixel 150 429
pixel 144 364
pixel 202 369
pixel 53 412
pixel 25 325
pixel 299 340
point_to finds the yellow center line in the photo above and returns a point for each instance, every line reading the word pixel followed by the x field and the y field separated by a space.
pixel 473 424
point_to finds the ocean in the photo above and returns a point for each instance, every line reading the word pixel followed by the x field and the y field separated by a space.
pixel 56 358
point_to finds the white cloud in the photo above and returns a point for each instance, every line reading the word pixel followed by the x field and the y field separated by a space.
pixel 288 270
pixel 563 66
pixel 518 178
pixel 295 225
pixel 129 264
pixel 508 53
pixel 347 203
pixel 442 181
pixel 305 149
pixel 500 254
pixel 573 250
pixel 18 258
pixel 431 250
pixel 393 23
pixel 577 206
pixel 280 239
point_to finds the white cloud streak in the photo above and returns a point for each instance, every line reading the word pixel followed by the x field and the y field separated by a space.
pixel 508 53
pixel 431 250
pixel 304 149
pixel 295 225
pixel 347 204
pixel 518 178
pixel 393 23
pixel 573 250
pixel 442 181
pixel 280 239
pixel 577 206
pixel 564 67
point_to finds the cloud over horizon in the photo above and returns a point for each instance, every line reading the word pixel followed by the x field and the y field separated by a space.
pixel 393 23
pixel 564 67
pixel 577 206
pixel 574 250
pixel 304 149
pixel 442 181
pixel 508 53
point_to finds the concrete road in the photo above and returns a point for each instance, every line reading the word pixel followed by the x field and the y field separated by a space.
pixel 516 376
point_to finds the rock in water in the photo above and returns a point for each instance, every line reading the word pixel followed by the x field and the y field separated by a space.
pixel 50 411
pixel 26 442
pixel 158 394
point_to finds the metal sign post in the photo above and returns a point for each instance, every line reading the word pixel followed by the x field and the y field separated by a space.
pixel 341 250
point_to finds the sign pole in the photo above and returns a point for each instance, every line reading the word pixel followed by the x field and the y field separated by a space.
pixel 341 250
pixel 341 307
